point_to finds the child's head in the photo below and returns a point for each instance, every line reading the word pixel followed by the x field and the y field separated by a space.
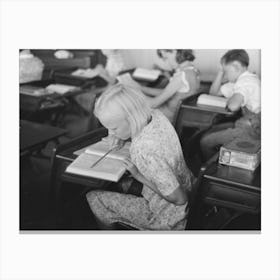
pixel 123 111
pixel 175 57
pixel 235 63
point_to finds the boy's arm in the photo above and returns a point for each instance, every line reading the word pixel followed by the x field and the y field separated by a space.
pixel 235 102
pixel 216 85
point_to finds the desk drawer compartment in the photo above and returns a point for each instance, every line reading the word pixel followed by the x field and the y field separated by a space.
pixel 232 196
pixel 189 116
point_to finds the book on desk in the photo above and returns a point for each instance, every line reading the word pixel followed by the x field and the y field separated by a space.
pixel 92 163
pixel 85 73
pixel 146 74
pixel 211 100
pixel 50 89
pixel 213 103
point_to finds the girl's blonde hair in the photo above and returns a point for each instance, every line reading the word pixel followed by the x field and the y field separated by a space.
pixel 130 100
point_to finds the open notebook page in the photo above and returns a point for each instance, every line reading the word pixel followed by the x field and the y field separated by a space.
pixel 102 147
pixel 107 169
pixel 211 100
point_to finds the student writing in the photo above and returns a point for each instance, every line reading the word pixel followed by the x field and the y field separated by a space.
pixel 156 160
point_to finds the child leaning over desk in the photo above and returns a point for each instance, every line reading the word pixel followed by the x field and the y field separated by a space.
pixel 156 160
pixel 114 65
pixel 243 91
pixel 184 82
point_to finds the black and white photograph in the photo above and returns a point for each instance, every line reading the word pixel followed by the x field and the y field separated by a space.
pixel 139 140
pixel 129 139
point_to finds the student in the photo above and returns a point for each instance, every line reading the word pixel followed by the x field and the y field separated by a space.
pixel 184 82
pixel 243 91
pixel 114 65
pixel 156 160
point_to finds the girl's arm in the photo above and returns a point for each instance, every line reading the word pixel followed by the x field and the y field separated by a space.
pixel 103 73
pixel 177 197
pixel 194 85
pixel 168 92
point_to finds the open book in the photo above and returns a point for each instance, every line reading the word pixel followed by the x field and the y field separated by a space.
pixel 33 90
pixel 109 168
pixel 86 73
pixel 146 74
pixel 211 100
pixel 61 88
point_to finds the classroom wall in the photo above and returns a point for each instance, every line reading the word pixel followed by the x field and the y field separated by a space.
pixel 207 60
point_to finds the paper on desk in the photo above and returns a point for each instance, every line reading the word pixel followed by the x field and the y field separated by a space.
pixel 107 169
pixel 86 73
pixel 146 74
pixel 102 147
pixel 60 88
pixel 211 100
pixel 33 90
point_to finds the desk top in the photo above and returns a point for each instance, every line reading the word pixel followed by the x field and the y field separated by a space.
pixel 45 83
pixel 238 177
pixel 191 103
pixel 31 103
pixel 65 154
pixel 33 134
pixel 65 76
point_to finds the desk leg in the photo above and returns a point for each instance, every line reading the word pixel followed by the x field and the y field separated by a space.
pixel 55 189
pixel 228 221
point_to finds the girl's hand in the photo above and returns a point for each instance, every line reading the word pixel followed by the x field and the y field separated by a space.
pixel 100 70
pixel 99 67
pixel 131 168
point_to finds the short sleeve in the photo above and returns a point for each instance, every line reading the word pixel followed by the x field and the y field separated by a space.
pixel 157 170
pixel 227 90
pixel 244 88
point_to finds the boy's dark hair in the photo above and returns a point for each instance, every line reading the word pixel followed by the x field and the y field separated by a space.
pixel 236 55
pixel 181 55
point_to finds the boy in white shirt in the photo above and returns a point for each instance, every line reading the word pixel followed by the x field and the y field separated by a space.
pixel 243 91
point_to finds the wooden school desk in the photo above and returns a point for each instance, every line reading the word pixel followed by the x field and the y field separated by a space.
pixel 201 117
pixel 32 107
pixel 63 155
pixel 34 136
pixel 64 76
pixel 230 187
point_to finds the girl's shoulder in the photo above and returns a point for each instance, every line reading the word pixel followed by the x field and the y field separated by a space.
pixel 191 70
pixel 159 127
pixel 187 71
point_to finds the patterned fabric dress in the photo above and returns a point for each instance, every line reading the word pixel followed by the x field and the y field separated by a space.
pixel 157 154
